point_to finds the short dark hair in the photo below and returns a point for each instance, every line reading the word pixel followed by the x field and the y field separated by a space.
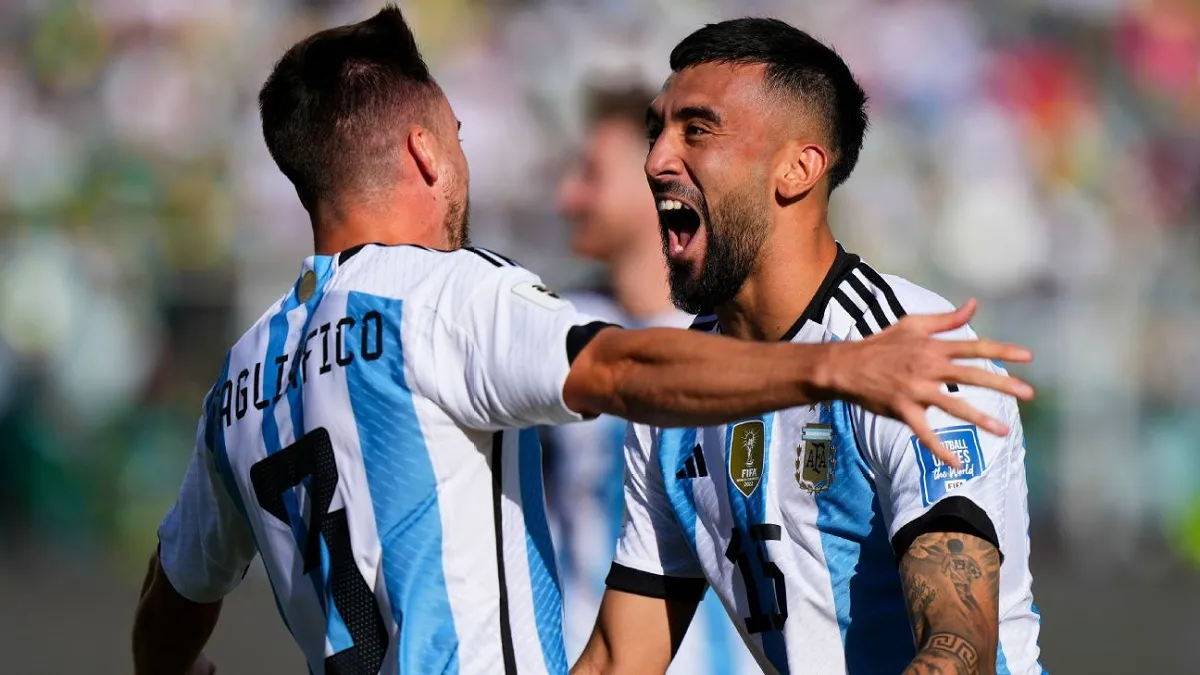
pixel 796 64
pixel 330 106
pixel 609 102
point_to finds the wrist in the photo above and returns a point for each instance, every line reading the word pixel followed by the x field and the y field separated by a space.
pixel 819 373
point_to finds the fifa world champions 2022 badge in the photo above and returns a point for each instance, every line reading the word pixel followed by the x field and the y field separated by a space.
pixel 816 458
pixel 747 446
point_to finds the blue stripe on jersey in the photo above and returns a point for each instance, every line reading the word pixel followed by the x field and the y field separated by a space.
pixel 543 574
pixel 1038 613
pixel 335 627
pixel 277 335
pixel 747 512
pixel 718 630
pixel 674 448
pixel 214 438
pixel 1001 661
pixel 867 592
pixel 612 487
pixel 404 496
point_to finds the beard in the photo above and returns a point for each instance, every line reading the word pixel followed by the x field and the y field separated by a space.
pixel 458 218
pixel 735 233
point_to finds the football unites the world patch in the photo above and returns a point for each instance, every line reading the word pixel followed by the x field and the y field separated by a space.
pixel 747 446
pixel 816 458
pixel 939 478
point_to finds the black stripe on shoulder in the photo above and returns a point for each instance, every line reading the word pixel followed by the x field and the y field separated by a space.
pixel 495 261
pixel 704 323
pixel 503 257
pixel 860 321
pixel 877 280
pixel 637 582
pixel 493 257
pixel 871 301
pixel 353 250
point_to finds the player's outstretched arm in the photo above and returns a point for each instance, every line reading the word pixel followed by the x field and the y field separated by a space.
pixel 667 377
pixel 952 585
pixel 635 635
pixel 169 631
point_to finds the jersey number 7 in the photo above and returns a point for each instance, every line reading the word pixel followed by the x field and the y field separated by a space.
pixel 312 455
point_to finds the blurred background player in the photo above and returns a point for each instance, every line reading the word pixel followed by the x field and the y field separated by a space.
pixel 614 222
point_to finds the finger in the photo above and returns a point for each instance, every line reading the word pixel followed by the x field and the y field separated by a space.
pixel 915 418
pixel 979 377
pixel 986 349
pixel 957 407
pixel 929 324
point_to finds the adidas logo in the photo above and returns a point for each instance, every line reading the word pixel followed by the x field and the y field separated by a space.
pixel 694 467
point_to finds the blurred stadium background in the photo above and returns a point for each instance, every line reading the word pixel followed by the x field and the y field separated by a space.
pixel 1042 155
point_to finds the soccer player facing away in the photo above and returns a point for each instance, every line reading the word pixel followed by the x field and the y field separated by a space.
pixel 836 540
pixel 370 435
pixel 614 222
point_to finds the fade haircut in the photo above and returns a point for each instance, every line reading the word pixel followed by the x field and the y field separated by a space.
pixel 335 104
pixel 798 65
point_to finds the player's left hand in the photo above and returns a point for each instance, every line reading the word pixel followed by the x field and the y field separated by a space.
pixel 202 666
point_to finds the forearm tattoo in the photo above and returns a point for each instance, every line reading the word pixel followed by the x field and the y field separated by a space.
pixel 952 585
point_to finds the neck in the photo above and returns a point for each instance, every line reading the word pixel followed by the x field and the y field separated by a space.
pixel 786 276
pixel 410 221
pixel 639 282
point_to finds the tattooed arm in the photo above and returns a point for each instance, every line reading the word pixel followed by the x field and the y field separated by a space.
pixel 952 584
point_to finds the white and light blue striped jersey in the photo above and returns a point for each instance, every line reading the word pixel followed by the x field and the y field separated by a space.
pixel 371 437
pixel 797 518
pixel 584 490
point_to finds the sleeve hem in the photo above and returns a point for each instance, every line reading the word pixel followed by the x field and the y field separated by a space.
pixel 953 514
pixel 637 582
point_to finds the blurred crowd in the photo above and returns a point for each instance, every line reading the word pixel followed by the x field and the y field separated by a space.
pixel 1041 155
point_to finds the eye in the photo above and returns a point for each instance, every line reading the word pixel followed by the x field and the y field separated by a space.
pixel 694 131
pixel 652 134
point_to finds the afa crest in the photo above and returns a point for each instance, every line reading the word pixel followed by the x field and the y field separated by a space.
pixel 816 458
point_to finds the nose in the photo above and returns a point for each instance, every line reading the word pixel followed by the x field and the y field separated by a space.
pixel 663 161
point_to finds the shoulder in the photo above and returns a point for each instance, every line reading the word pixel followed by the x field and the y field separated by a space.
pixel 430 278
pixel 866 301
pixel 469 259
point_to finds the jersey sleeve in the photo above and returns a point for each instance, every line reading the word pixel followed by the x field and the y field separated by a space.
pixel 921 494
pixel 501 355
pixel 653 556
pixel 205 544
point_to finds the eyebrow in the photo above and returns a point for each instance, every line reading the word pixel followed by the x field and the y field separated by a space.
pixel 700 112
pixel 691 112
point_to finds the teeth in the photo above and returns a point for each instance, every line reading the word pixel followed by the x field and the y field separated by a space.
pixel 669 205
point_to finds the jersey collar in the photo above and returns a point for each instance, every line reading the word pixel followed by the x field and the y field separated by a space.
pixel 841 268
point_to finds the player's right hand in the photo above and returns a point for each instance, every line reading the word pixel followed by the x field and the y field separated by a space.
pixel 901 372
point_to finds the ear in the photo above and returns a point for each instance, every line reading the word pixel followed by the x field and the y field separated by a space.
pixel 424 148
pixel 803 166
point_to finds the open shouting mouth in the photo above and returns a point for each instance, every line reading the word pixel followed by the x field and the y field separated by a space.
pixel 681 228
